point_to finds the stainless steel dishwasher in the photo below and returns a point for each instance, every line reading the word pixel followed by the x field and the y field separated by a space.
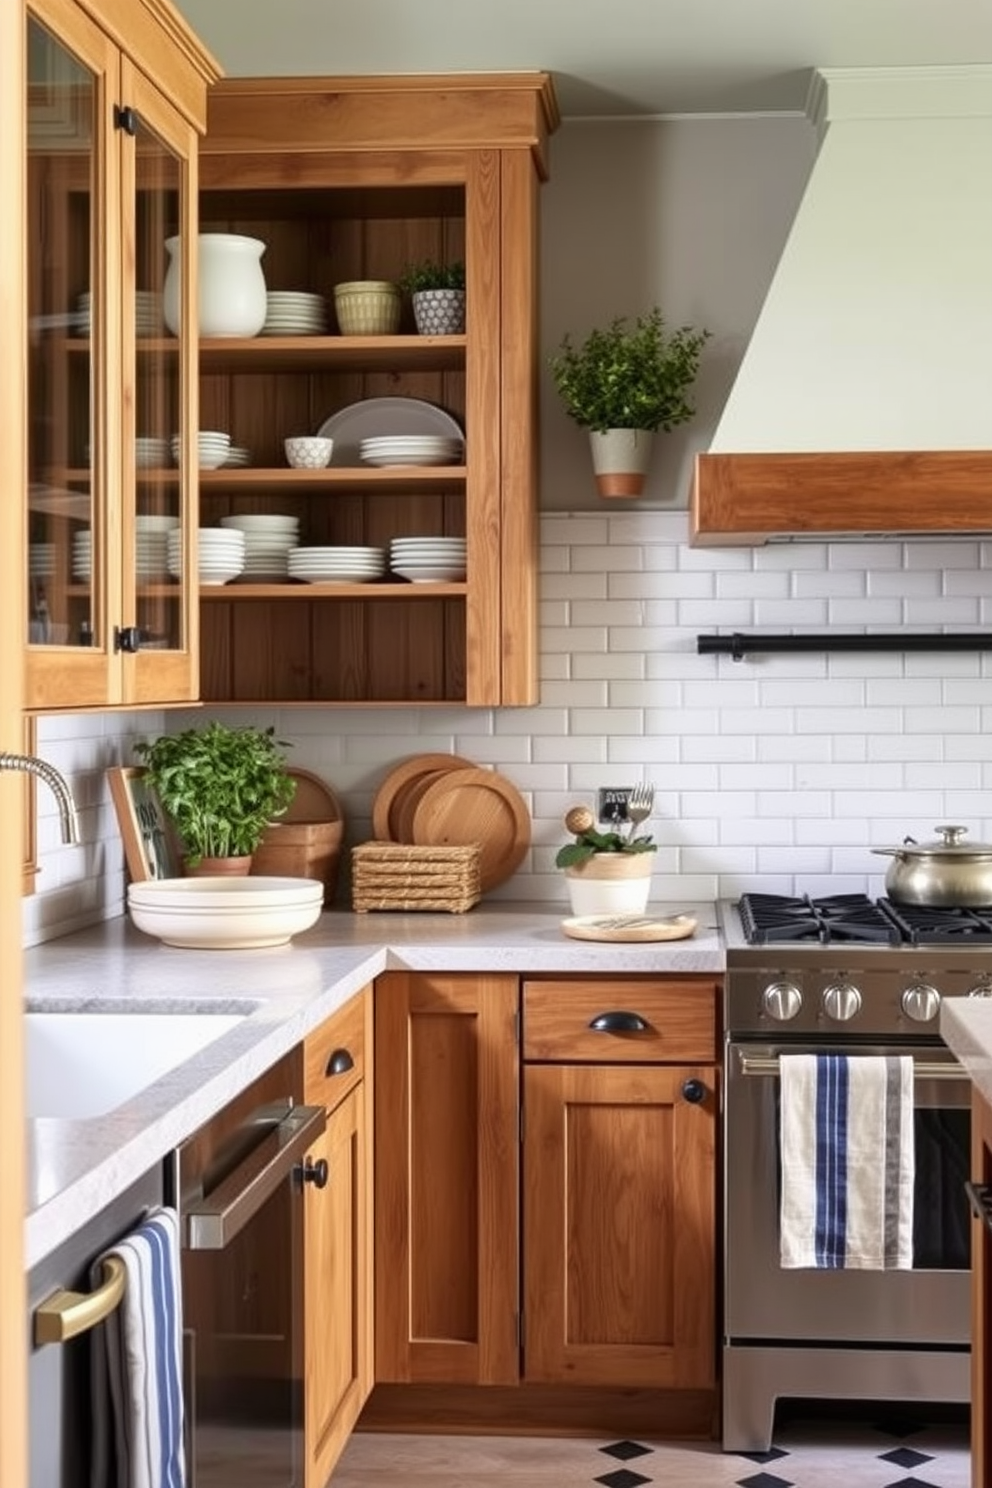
pixel 240 1199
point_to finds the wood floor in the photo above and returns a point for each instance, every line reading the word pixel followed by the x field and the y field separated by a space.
pixel 891 1451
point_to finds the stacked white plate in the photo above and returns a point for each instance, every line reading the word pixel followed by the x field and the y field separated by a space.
pixel 213 447
pixel 268 540
pixel 41 560
pixel 150 451
pixel 336 565
pixel 294 313
pixel 428 560
pixel 148 319
pixel 238 456
pixel 411 449
pixel 82 555
pixel 222 554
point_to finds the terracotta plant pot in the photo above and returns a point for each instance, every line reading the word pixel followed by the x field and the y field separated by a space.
pixel 610 883
pixel 620 459
pixel 219 867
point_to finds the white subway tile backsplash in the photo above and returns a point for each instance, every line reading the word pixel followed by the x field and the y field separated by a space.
pixel 775 773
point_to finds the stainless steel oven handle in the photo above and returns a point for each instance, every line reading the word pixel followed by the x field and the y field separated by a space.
pixel 212 1222
pixel 923 1069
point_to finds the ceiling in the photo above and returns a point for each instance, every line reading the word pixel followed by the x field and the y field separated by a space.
pixel 618 58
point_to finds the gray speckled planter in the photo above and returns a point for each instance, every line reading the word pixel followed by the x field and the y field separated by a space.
pixel 439 312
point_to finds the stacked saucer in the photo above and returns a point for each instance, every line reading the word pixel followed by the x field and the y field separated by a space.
pixel 238 456
pixel 222 554
pixel 294 313
pixel 148 319
pixel 428 560
pixel 411 449
pixel 336 565
pixel 150 452
pixel 41 560
pixel 213 447
pixel 151 547
pixel 82 555
pixel 268 541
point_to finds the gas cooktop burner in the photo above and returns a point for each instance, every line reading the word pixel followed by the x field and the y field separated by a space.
pixel 849 919
pixel 840 919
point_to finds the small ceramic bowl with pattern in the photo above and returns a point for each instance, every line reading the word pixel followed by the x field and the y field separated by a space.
pixel 308 451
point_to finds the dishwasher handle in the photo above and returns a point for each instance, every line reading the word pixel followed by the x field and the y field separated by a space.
pixel 211 1222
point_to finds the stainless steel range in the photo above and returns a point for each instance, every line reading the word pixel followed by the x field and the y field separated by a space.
pixel 851 975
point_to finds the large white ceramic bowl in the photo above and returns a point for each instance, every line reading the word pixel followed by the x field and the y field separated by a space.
pixel 225 914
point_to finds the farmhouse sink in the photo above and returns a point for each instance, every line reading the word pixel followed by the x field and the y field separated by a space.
pixel 84 1064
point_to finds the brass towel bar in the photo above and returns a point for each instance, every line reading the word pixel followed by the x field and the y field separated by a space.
pixel 65 1314
pixel 923 1069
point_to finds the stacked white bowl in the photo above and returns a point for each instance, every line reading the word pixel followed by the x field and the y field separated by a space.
pixel 150 451
pixel 41 560
pixel 268 541
pixel 152 546
pixel 428 560
pixel 337 565
pixel 213 448
pixel 221 554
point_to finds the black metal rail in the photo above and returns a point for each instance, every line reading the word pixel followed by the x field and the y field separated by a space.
pixel 739 645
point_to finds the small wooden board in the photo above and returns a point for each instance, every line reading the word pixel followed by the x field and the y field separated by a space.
pixel 476 805
pixel 629 927
pixel 404 777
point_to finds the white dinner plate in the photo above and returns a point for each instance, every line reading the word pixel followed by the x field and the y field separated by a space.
pixel 383 416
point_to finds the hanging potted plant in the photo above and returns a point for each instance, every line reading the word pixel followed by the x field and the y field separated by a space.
pixel 437 292
pixel 606 872
pixel 221 787
pixel 623 384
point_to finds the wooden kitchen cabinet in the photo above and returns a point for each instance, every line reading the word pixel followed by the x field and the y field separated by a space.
pixel 446 1179
pixel 116 98
pixel 355 178
pixel 981 1290
pixel 338 1267
pixel 610 1256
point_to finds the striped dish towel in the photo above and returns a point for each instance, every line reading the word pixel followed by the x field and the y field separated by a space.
pixel 137 1364
pixel 846 1143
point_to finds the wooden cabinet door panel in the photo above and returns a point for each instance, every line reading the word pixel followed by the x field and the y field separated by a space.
pixel 336 1316
pixel 618 1196
pixel 446 1178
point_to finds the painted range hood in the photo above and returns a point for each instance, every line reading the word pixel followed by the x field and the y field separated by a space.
pixel 863 404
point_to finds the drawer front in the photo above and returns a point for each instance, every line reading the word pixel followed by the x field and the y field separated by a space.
pixel 640 1022
pixel 334 1054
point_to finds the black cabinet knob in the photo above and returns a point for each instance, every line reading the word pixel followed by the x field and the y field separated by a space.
pixel 618 1022
pixel 316 1173
pixel 694 1091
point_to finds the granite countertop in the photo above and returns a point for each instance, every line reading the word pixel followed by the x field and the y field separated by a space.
pixel 76 1167
pixel 966 1028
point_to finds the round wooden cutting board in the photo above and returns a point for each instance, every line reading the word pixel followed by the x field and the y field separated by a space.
pixel 629 927
pixel 394 791
pixel 481 806
pixel 314 800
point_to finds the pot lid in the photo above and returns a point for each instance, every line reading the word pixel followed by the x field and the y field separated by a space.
pixel 950 845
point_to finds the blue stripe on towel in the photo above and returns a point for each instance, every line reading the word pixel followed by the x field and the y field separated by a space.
pixel 830 1236
pixel 163 1299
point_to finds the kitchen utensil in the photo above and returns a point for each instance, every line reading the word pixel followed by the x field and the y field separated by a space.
pixel 949 873
pixel 640 804
pixel 629 927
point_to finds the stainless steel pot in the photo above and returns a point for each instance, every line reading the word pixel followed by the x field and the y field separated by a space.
pixel 947 874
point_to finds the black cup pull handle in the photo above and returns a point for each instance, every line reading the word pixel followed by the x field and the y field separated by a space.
pixel 618 1022
pixel 694 1091
pixel 339 1062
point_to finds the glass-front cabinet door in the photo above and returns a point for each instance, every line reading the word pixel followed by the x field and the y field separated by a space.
pixel 110 176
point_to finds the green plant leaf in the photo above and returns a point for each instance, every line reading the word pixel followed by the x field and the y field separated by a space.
pixel 629 377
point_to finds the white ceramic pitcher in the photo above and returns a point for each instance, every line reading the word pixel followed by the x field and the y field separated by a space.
pixel 231 296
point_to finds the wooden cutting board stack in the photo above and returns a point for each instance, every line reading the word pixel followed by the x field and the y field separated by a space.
pixel 436 804
pixel 391 875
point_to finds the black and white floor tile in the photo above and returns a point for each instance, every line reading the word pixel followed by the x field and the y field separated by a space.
pixel 888 1450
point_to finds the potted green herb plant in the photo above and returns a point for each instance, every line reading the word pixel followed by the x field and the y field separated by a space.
pixel 221 787
pixel 606 872
pixel 623 384
pixel 437 292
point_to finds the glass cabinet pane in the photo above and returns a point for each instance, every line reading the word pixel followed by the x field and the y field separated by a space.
pixel 157 480
pixel 61 135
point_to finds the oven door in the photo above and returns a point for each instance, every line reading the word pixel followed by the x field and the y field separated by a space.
pixel 928 1304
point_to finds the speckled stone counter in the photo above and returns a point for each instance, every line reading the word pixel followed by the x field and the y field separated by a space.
pixel 76 1167
pixel 966 1028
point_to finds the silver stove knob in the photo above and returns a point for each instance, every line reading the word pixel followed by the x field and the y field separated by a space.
pixel 841 1001
pixel 781 1001
pixel 982 987
pixel 921 1002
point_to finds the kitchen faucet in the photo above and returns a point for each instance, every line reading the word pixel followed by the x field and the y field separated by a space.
pixel 56 783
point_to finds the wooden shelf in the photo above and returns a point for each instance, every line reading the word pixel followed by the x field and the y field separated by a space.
pixel 296 591
pixel 333 353
pixel 413 478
